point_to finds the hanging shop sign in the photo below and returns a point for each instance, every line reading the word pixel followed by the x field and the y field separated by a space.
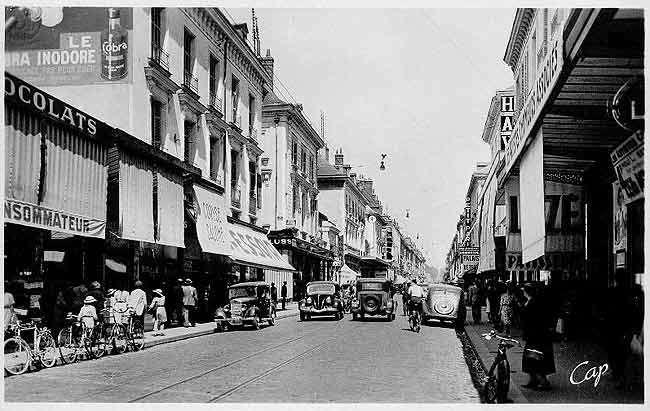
pixel 541 89
pixel 628 165
pixel 507 119
pixel 569 261
pixel 211 222
pixel 54 46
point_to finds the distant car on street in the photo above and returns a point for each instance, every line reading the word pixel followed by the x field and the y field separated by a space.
pixel 445 303
pixel 250 303
pixel 320 300
pixel 373 298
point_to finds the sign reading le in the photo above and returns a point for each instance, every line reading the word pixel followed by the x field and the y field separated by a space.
pixel 541 88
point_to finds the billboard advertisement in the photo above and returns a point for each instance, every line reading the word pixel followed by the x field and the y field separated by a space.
pixel 55 46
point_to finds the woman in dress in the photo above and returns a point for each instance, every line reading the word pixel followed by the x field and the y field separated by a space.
pixel 507 308
pixel 537 360
pixel 157 307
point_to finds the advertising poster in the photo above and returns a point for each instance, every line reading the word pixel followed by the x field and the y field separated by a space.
pixel 54 46
pixel 620 218
pixel 628 165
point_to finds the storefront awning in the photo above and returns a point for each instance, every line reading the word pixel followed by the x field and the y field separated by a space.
pixel 250 247
pixel 347 274
pixel 211 222
pixel 487 251
pixel 115 266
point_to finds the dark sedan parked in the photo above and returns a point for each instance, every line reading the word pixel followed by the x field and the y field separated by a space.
pixel 444 303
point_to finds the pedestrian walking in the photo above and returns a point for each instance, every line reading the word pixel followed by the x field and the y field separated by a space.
pixel 79 293
pixel 274 295
pixel 474 297
pixel 137 302
pixel 405 298
pixel 88 314
pixel 9 306
pixel 283 293
pixel 507 308
pixel 157 308
pixel 537 360
pixel 189 303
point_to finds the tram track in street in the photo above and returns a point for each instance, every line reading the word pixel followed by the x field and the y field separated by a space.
pixel 232 363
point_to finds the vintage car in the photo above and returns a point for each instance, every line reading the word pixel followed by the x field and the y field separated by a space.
pixel 320 299
pixel 445 303
pixel 250 303
pixel 374 297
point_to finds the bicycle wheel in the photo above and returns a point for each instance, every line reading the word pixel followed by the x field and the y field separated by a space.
pixel 137 336
pixel 118 339
pixel 502 374
pixel 17 356
pixel 69 346
pixel 46 349
pixel 98 343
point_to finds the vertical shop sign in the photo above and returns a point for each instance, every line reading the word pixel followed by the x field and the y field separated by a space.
pixel 54 46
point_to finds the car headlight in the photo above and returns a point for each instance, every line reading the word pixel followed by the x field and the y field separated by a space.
pixel 355 302
pixel 328 300
pixel 389 303
pixel 227 307
pixel 309 301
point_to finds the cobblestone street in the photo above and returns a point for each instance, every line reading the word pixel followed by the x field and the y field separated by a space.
pixel 317 361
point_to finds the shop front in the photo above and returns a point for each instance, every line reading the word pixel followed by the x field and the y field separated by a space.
pixel 311 261
pixel 254 258
pixel 55 196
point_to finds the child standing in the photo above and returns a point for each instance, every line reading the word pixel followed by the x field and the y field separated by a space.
pixel 157 307
pixel 88 313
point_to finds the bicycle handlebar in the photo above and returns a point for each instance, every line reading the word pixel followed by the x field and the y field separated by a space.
pixel 488 336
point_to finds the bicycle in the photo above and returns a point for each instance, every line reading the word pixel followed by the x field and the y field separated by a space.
pixel 19 355
pixel 115 331
pixel 497 382
pixel 134 330
pixel 414 319
pixel 70 340
pixel 94 340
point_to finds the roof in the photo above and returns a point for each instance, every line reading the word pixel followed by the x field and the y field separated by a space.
pixel 326 169
pixel 272 98
pixel 373 280
pixel 320 282
pixel 249 284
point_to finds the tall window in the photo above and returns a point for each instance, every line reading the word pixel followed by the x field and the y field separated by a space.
pixel 294 153
pixel 303 160
pixel 251 114
pixel 295 201
pixel 214 67
pixel 514 215
pixel 252 172
pixel 156 33
pixel 214 157
pixel 156 123
pixel 234 157
pixel 188 57
pixel 188 131
pixel 235 98
pixel 311 168
pixel 259 190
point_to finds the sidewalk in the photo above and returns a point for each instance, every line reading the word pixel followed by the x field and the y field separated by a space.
pixel 568 355
pixel 182 333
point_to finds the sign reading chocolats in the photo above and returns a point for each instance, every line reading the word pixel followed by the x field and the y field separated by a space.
pixel 18 91
pixel 52 46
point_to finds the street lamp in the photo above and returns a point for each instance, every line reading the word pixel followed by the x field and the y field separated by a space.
pixel 382 167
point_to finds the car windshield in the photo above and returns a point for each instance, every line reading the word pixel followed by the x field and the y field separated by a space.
pixel 238 292
pixel 441 291
pixel 321 288
pixel 373 286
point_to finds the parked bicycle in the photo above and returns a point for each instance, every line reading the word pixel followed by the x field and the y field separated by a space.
pixel 70 340
pixel 497 383
pixel 134 330
pixel 116 333
pixel 20 354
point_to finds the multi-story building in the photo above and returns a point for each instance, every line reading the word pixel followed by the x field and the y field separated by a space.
pixel 290 191
pixel 187 85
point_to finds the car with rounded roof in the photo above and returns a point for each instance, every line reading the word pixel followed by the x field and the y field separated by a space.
pixel 374 297
pixel 249 303
pixel 445 303
pixel 321 299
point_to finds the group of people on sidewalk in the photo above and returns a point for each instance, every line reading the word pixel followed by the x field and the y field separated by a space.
pixel 539 312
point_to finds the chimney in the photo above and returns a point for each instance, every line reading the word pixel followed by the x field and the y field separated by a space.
pixel 242 30
pixel 267 63
pixel 327 153
pixel 338 158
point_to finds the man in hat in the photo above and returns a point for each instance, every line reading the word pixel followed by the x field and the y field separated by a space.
pixel 284 294
pixel 96 291
pixel 189 303
pixel 274 295
pixel 137 302
pixel 176 302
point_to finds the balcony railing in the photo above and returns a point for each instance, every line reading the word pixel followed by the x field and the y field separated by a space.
pixel 191 82
pixel 159 56
pixel 236 120
pixel 236 198
pixel 252 204
pixel 215 102
pixel 253 134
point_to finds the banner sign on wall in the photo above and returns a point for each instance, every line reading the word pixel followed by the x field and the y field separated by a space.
pixel 53 46
pixel 628 165
pixel 547 76
pixel 620 218
pixel 211 222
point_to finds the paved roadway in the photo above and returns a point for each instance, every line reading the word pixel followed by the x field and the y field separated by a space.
pixel 315 361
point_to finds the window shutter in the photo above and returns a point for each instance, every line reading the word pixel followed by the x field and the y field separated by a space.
pixel 213 158
pixel 156 123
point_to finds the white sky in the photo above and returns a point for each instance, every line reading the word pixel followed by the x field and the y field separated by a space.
pixel 415 84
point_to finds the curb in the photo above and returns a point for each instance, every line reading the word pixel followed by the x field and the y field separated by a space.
pixel 199 333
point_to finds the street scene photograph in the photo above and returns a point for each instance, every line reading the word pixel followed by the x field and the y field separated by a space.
pixel 323 203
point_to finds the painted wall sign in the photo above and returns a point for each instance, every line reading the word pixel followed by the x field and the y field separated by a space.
pixel 541 88
pixel 18 91
pixel 53 46
pixel 50 219
pixel 628 165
